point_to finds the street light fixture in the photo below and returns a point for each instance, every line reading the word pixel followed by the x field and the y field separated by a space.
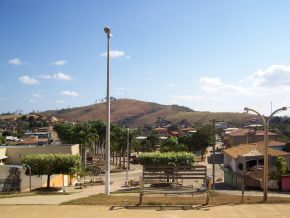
pixel 107 150
pixel 266 121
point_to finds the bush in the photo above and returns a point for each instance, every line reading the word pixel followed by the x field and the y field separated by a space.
pixel 49 164
pixel 167 159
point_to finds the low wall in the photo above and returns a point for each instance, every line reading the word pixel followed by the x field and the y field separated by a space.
pixel 13 178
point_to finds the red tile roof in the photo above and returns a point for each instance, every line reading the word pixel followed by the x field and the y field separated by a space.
pixel 276 143
pixel 244 131
pixel 252 149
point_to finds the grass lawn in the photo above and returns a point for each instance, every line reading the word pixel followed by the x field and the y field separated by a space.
pixel 128 199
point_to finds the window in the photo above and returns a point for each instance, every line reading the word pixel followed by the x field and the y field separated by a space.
pixel 251 164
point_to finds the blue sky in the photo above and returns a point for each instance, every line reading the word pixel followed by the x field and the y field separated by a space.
pixel 207 55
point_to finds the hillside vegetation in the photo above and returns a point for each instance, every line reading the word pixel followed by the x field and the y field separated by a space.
pixel 135 113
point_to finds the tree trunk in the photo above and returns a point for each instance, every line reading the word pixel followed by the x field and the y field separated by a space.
pixel 48 182
pixel 120 160
pixel 129 160
pixel 124 159
pixel 202 154
pixel 95 148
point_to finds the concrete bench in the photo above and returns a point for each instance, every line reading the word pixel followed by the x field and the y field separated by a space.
pixel 170 180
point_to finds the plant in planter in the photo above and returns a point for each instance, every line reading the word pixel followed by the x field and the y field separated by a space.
pixel 167 159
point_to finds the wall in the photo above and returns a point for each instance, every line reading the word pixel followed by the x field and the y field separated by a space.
pixel 15 153
pixel 249 138
pixel 228 177
pixel 230 162
pixel 22 181
pixel 286 183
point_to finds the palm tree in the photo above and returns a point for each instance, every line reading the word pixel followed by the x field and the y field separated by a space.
pixel 100 127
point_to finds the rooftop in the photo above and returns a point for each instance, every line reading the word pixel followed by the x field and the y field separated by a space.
pixel 245 131
pixel 276 143
pixel 255 149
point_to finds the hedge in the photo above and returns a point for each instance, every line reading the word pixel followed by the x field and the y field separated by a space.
pixel 167 159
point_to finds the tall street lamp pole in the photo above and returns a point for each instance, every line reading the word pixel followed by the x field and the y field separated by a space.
pixel 266 121
pixel 128 159
pixel 107 150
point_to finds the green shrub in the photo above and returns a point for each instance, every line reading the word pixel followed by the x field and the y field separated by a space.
pixel 167 159
pixel 49 164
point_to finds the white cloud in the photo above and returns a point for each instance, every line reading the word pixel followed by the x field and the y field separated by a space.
pixel 32 101
pixel 37 95
pixel 60 101
pixel 59 62
pixel 216 85
pixel 28 80
pixel 57 76
pixel 257 91
pixel 69 93
pixel 171 84
pixel 275 75
pixel 209 84
pixel 114 54
pixel 15 61
pixel 61 76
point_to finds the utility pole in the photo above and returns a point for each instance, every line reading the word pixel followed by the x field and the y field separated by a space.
pixel 214 121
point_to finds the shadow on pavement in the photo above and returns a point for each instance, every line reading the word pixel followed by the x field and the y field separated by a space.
pixel 163 208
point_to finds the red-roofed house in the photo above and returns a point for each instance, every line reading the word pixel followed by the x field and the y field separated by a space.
pixel 244 136
pixel 240 159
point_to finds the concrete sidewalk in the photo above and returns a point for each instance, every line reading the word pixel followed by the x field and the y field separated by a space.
pixel 48 211
pixel 118 180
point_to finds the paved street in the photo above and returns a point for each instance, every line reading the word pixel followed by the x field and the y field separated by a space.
pixel 219 173
pixel 48 211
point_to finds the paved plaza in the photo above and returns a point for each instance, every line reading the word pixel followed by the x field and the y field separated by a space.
pixel 48 211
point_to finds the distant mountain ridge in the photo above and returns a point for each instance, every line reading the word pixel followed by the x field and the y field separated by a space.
pixel 135 112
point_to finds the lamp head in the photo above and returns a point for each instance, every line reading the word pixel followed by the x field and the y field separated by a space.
pixel 284 108
pixel 246 109
pixel 107 30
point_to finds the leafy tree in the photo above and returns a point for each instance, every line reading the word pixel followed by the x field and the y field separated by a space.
pixel 171 145
pixel 198 141
pixel 281 169
pixel 5 133
pixel 119 137
pixel 50 164
pixel 281 166
pixel 85 134
pixel 2 139
pixel 100 127
pixel 135 145
pixel 153 139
